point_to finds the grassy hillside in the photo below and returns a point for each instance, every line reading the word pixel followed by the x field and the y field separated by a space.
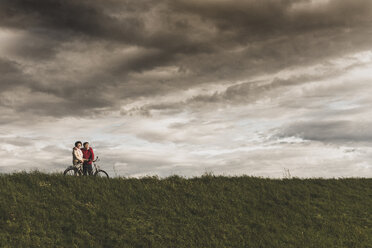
pixel 40 210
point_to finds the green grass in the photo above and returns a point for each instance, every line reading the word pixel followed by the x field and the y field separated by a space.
pixel 50 210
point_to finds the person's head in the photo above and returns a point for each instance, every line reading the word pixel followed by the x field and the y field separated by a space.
pixel 78 144
pixel 86 145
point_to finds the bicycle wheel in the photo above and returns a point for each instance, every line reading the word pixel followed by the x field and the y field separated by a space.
pixel 71 171
pixel 101 173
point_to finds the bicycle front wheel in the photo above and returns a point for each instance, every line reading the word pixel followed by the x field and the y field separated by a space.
pixel 71 171
pixel 101 173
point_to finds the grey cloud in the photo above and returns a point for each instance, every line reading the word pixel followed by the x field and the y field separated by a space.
pixel 41 45
pixel 213 81
pixel 274 17
pixel 116 21
pixel 11 74
pixel 143 61
pixel 83 17
pixel 342 131
pixel 211 41
pixel 242 93
pixel 17 141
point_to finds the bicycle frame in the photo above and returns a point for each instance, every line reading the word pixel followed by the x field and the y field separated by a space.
pixel 96 167
pixel 79 166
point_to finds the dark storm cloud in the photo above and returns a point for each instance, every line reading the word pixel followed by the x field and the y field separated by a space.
pixel 116 21
pixel 272 17
pixel 207 41
pixel 11 75
pixel 37 45
pixel 79 17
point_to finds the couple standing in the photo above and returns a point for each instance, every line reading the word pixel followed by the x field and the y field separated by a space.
pixel 83 155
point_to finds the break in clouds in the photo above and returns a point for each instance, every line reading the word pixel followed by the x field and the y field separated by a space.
pixel 187 87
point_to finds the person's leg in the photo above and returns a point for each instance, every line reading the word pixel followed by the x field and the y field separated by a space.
pixel 90 169
pixel 85 169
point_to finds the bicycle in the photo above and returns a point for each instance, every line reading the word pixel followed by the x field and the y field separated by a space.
pixel 77 170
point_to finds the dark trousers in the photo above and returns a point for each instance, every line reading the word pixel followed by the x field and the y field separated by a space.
pixel 87 168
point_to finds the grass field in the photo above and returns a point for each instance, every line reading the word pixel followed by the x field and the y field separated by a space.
pixel 50 210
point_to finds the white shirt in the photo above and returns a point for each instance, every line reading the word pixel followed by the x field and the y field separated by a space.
pixel 77 155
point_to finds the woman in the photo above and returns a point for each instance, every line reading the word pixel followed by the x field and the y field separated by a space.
pixel 77 154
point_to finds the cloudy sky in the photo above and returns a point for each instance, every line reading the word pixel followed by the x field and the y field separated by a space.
pixel 186 87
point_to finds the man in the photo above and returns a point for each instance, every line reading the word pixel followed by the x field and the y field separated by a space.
pixel 77 155
pixel 88 156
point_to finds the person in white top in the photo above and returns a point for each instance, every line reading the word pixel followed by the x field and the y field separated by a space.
pixel 77 154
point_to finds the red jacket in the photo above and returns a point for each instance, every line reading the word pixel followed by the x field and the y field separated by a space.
pixel 88 154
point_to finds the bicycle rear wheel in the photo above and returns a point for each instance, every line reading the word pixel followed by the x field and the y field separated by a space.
pixel 101 173
pixel 71 171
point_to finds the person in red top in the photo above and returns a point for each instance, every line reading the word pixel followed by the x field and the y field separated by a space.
pixel 88 155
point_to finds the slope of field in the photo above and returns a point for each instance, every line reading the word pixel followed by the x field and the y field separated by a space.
pixel 43 210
